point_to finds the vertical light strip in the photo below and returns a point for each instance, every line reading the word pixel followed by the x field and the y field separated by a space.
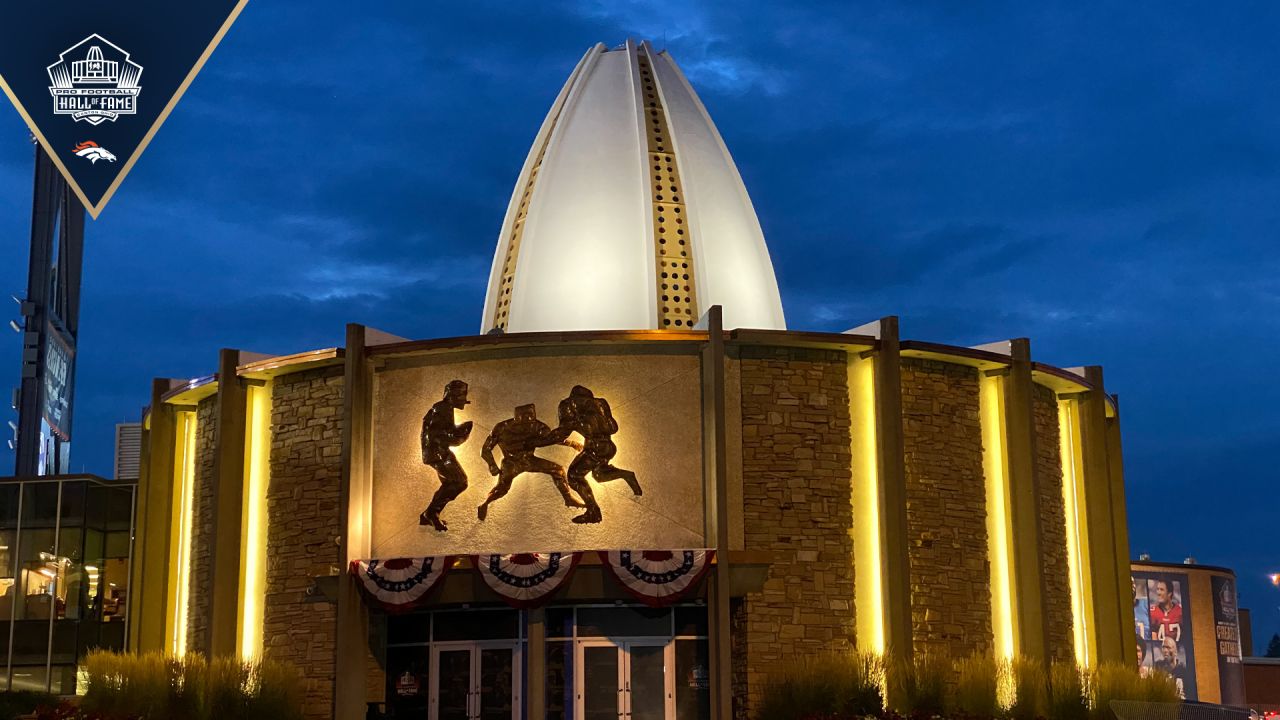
pixel 253 540
pixel 1077 537
pixel 868 585
pixel 995 462
pixel 180 531
pixel 672 236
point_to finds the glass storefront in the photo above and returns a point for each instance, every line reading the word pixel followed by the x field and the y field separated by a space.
pixel 64 576
pixel 603 662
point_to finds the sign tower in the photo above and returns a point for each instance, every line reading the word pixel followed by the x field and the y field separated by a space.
pixel 50 325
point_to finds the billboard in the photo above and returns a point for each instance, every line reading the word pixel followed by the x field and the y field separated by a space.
pixel 1226 630
pixel 55 403
pixel 1162 626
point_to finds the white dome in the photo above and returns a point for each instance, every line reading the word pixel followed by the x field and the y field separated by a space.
pixel 628 180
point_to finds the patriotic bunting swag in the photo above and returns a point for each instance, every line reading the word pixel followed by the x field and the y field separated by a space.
pixel 526 580
pixel 657 577
pixel 399 585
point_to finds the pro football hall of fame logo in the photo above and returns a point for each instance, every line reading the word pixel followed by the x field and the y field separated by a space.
pixel 94 81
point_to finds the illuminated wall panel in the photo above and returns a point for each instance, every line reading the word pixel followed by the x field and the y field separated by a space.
pixel 253 539
pixel 1077 532
pixel 995 462
pixel 868 584
pixel 180 526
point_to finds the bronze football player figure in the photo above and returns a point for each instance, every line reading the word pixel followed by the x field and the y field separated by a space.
pixel 518 438
pixel 589 416
pixel 439 435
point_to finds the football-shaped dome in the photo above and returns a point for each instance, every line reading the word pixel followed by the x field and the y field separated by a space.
pixel 629 212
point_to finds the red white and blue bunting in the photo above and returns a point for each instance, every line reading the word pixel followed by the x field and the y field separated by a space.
pixel 526 580
pixel 400 584
pixel 657 577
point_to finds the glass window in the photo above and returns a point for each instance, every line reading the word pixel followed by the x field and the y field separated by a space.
pixel 623 622
pixel 119 508
pixel 29 677
pixel 39 504
pixel 409 628
pixel 30 643
pixel 9 505
pixel 7 540
pixel 476 625
pixel 693 680
pixel 96 512
pixel 408 681
pixel 691 620
pixel 63 680
pixel 559 663
pixel 73 503
pixel 559 622
pixel 38 574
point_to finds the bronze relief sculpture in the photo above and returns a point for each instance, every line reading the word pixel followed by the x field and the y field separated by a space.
pixel 589 416
pixel 439 436
pixel 518 438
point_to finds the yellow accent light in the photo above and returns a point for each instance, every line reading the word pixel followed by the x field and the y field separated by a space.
pixel 253 540
pixel 995 463
pixel 1077 537
pixel 868 590
pixel 180 528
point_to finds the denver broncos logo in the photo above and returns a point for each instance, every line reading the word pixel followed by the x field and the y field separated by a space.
pixel 93 152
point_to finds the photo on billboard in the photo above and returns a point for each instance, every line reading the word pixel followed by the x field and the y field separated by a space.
pixel 1162 626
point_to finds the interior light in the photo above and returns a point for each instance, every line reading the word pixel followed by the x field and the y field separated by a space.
pixel 91 568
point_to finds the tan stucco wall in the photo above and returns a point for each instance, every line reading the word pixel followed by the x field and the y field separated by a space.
pixel 655 397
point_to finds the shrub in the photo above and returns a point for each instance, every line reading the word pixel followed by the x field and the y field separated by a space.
pixel 1066 698
pixel 838 684
pixel 978 680
pixel 23 702
pixel 919 686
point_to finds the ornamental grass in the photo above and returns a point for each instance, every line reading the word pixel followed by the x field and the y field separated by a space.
pixel 979 687
pixel 159 687
pixel 840 685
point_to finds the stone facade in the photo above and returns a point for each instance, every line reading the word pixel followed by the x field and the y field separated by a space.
pixel 204 501
pixel 946 508
pixel 302 527
pixel 796 504
pixel 1053 523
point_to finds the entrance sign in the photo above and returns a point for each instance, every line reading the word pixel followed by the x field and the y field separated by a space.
pixel 94 81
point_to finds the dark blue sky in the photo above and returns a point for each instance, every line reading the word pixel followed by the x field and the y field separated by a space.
pixel 1102 180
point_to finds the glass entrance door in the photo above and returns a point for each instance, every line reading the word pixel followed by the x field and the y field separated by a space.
pixel 625 679
pixel 475 681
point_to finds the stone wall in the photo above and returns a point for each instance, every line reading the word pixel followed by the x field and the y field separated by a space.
pixel 302 526
pixel 796 504
pixel 203 506
pixel 946 508
pixel 1053 527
